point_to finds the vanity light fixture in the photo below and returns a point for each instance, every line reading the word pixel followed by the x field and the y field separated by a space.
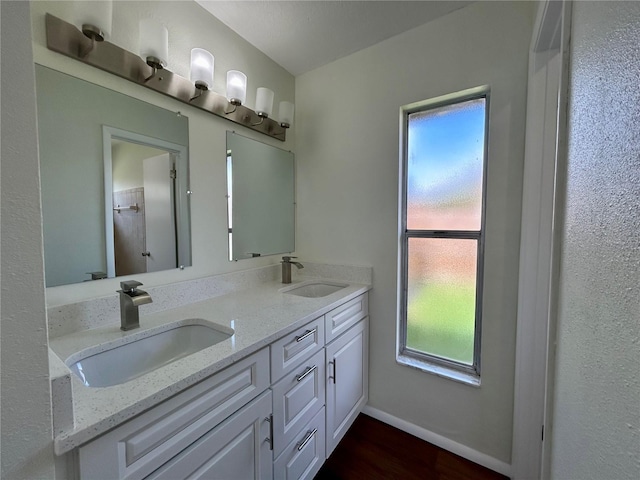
pixel 264 103
pixel 285 114
pixel 154 45
pixel 236 89
pixel 68 39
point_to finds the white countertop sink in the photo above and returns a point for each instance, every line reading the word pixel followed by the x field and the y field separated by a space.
pixel 314 289
pixel 120 362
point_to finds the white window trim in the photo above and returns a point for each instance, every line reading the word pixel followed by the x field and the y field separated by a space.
pixel 469 375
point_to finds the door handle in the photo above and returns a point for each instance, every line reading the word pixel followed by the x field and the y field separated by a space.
pixel 335 365
pixel 270 438
pixel 146 254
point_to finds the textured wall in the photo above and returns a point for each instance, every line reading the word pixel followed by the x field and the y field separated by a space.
pixel 347 146
pixel 596 429
pixel 27 450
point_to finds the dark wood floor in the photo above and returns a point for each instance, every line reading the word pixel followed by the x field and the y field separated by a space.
pixel 373 450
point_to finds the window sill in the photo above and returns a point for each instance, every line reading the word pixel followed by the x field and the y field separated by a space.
pixel 439 370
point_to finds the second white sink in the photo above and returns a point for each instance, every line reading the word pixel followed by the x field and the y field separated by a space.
pixel 315 289
pixel 124 362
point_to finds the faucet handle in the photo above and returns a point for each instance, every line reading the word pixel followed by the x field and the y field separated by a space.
pixel 287 259
pixel 129 286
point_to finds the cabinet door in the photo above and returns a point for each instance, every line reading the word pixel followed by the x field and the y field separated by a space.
pixel 347 381
pixel 296 399
pixel 238 448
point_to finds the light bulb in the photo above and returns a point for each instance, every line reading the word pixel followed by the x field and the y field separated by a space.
pixel 202 68
pixel 264 102
pixel 236 87
pixel 285 114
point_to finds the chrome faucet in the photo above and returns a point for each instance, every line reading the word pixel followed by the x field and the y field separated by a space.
pixel 130 299
pixel 286 268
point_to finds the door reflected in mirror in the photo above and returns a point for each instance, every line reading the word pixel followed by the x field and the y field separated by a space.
pixel 88 135
pixel 144 193
pixel 261 198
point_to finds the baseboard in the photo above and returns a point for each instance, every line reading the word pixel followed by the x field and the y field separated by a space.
pixel 440 441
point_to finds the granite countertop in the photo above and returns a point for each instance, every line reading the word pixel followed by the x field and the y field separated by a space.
pixel 259 316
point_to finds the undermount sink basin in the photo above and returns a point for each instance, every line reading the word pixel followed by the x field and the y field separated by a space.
pixel 144 354
pixel 315 289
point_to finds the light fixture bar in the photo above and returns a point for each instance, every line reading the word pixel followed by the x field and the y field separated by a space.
pixel 65 38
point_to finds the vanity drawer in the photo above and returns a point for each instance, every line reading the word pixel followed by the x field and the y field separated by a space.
pixel 136 448
pixel 304 456
pixel 287 352
pixel 296 399
pixel 345 316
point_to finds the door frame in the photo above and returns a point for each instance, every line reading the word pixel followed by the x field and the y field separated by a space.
pixel 542 207
pixel 180 153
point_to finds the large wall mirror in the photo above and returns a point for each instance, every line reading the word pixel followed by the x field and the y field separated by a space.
pixel 261 198
pixel 115 181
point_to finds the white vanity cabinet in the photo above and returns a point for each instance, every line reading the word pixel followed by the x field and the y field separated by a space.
pixel 347 381
pixel 278 413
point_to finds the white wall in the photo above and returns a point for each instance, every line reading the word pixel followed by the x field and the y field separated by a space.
pixel 189 26
pixel 596 422
pixel 27 451
pixel 347 152
pixel 127 161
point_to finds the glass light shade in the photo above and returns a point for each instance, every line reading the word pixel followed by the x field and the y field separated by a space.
pixel 264 102
pixel 202 68
pixel 97 14
pixel 285 114
pixel 236 87
pixel 154 41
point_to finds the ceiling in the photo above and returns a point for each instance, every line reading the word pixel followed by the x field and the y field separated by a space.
pixel 304 35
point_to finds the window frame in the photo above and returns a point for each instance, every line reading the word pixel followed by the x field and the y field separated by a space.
pixel 468 374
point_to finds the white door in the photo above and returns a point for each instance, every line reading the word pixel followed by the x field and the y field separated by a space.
pixel 347 381
pixel 160 233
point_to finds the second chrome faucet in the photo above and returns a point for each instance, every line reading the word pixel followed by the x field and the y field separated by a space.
pixel 286 268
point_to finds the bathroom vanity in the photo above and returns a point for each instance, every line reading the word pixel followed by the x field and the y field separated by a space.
pixel 271 401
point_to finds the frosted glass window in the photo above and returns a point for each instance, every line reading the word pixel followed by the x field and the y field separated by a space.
pixel 442 240
pixel 444 167
pixel 441 300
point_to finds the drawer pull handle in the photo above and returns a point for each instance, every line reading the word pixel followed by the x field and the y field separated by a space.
pixel 305 373
pixel 306 334
pixel 307 439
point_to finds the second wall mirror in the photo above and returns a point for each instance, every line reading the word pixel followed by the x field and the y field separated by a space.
pixel 261 198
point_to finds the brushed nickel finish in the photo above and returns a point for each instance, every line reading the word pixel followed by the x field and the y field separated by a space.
pixel 65 38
